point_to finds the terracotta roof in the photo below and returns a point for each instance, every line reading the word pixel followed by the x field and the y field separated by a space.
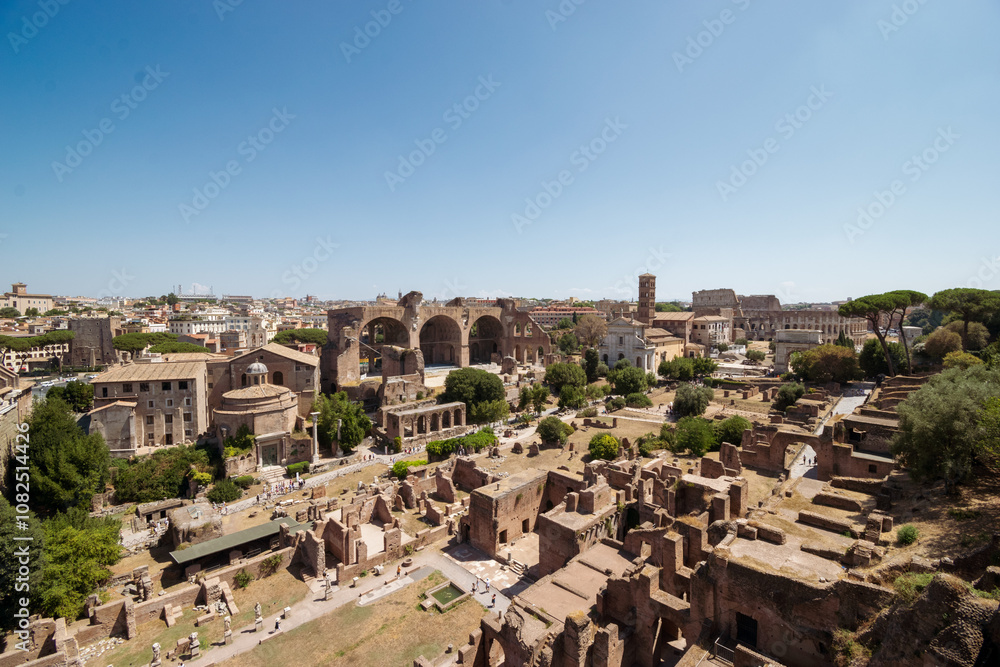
pixel 674 317
pixel 257 391
pixel 154 371
pixel 124 404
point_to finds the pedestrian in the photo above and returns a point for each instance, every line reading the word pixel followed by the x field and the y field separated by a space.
pixel 487 584
pixel 399 570
pixel 277 624
pixel 474 583
pixel 493 602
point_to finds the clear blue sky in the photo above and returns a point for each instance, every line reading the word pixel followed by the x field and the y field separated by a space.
pixel 652 199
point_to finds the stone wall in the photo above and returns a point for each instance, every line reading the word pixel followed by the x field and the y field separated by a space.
pixel 498 516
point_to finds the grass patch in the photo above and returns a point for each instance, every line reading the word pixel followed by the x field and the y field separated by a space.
pixel 910 585
pixel 963 514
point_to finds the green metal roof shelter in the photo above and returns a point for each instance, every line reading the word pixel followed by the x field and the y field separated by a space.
pixel 227 543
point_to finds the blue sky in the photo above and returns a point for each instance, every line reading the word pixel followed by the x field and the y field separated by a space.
pixel 715 144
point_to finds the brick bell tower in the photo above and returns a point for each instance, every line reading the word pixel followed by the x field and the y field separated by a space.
pixel 647 298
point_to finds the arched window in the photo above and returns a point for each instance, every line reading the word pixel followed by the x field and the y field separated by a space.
pixel 278 378
pixel 243 380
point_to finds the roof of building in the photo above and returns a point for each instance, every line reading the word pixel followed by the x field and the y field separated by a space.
pixel 229 542
pixel 286 352
pixel 682 316
pixel 655 332
pixel 711 318
pixel 257 391
pixel 124 404
pixel 165 370
pixel 256 368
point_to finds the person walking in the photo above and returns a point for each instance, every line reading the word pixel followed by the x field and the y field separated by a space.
pixel 277 624
pixel 493 602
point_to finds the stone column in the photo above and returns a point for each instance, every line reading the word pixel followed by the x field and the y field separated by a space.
pixel 315 425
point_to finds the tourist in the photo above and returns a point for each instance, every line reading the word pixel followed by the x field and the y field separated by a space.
pixel 277 624
pixel 474 584
pixel 493 602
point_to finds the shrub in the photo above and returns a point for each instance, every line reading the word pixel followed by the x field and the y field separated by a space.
pixel 397 444
pixel 244 481
pixel 616 403
pixel 586 412
pixel 731 430
pixel 695 435
pixel 907 534
pixel 225 492
pixel 638 400
pixel 243 578
pixel 691 401
pixel 202 478
pixel 603 446
pixel 910 585
pixel 649 443
pixel 401 468
pixel 269 565
pixel 787 395
pixel 484 437
pixel 553 429
pixel 300 467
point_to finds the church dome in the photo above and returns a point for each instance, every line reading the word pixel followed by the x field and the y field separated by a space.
pixel 256 368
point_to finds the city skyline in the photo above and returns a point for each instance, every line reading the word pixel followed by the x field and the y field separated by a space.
pixel 499 149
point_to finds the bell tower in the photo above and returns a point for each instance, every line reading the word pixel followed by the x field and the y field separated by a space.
pixel 647 298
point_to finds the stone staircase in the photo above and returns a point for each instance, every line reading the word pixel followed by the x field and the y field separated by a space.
pixel 545 644
pixel 272 474
pixel 517 567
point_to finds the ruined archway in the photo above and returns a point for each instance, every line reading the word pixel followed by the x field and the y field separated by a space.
pixel 441 341
pixel 485 339
pixel 376 333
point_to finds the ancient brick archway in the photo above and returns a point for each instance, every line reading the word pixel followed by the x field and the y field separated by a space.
pixel 381 331
pixel 441 341
pixel 485 339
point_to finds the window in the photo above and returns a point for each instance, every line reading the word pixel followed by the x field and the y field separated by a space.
pixel 149 436
pixel 149 404
pixel 168 439
pixel 187 416
pixel 621 340
pixel 298 368
pixel 168 419
pixel 104 392
pixel 187 432
pixel 170 402
pixel 187 401
pixel 143 386
pixel 127 388
pixel 182 384
pixel 165 386
pixel 149 420
pixel 872 468
pixel 209 385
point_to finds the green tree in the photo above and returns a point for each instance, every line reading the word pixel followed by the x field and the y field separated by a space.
pixel 908 299
pixel 788 394
pixel 160 475
pixel 638 400
pixel 703 366
pixel 681 368
pixel 307 336
pixel 225 491
pixel 137 342
pixel 843 340
pixel 561 374
pixel 670 307
pixel 961 360
pixel 78 552
pixel 571 396
pixel 564 323
pixel 873 362
pixel 627 380
pixel 944 427
pixel 877 308
pixel 554 430
pixel 731 430
pixel 760 355
pixel 568 343
pixel 10 563
pixel 603 446
pixel 171 299
pixel 975 336
pixel 694 435
pixel 175 347
pixel 9 312
pixel 941 342
pixel 79 396
pixel 828 363
pixel 354 423
pixel 471 386
pixel 591 360
pixel 488 412
pixel 972 305
pixel 691 400
pixel 722 347
pixel 539 397
pixel 31 312
pixel 67 467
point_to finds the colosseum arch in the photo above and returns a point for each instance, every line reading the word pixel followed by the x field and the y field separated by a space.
pixel 441 341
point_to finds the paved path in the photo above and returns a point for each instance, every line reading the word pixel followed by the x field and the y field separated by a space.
pixel 313 607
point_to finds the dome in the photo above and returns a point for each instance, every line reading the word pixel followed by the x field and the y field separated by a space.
pixel 256 368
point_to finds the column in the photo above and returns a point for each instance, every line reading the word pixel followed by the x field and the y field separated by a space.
pixel 315 425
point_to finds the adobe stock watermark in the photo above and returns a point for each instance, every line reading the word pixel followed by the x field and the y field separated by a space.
pixel 116 286
pixel 914 167
pixel 989 268
pixel 223 7
pixel 30 25
pixel 655 260
pixel 704 39
pixel 299 272
pixel 248 150
pixel 21 500
pixel 786 127
pixel 363 36
pixel 122 107
pixel 899 17
pixel 581 158
pixel 454 116
pixel 562 12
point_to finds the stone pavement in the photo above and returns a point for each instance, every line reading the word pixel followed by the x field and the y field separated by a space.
pixel 245 639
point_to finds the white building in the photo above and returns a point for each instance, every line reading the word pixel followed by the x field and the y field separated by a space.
pixel 625 341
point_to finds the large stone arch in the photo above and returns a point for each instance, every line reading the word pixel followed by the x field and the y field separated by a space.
pixel 441 341
pixel 377 332
pixel 485 339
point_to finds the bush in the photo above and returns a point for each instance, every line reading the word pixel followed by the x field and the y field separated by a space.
pixel 243 578
pixel 552 429
pixel 616 403
pixel 602 370
pixel 163 474
pixel 202 478
pixel 603 446
pixel 401 468
pixel 586 412
pixel 756 355
pixel 300 467
pixel 649 443
pixel 638 400
pixel 787 395
pixel 907 534
pixel 691 401
pixel 694 435
pixel 225 492
pixel 397 444
pixel 571 396
pixel 269 565
pixel 731 430
pixel 911 584
pixel 244 481
pixel 484 437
